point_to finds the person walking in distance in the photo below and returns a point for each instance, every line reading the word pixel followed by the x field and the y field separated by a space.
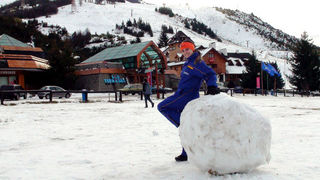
pixel 147 91
pixel 194 71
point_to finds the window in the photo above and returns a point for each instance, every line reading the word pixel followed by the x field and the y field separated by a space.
pixel 220 78
pixel 3 80
pixel 211 55
pixel 12 80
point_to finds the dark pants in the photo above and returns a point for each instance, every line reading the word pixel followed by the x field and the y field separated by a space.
pixel 147 98
pixel 173 106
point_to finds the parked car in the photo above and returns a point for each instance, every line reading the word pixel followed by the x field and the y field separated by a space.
pixel 161 89
pixel 222 87
pixel 13 95
pixel 60 94
pixel 238 89
pixel 131 88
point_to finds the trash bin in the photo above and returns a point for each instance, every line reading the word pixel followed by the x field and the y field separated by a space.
pixel 84 95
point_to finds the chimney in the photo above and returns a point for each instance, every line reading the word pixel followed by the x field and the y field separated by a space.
pixel 212 45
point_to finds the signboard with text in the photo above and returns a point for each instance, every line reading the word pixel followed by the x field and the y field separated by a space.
pixel 115 79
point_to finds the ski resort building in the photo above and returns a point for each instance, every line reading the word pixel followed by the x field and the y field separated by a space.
pixel 235 66
pixel 19 62
pixel 114 67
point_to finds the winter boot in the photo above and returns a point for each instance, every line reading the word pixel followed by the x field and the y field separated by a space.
pixel 181 158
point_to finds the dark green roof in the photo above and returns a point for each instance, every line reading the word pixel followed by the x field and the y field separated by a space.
pixel 125 51
pixel 6 40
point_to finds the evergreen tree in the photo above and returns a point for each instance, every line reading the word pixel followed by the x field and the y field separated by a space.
pixel 305 65
pixel 186 24
pixel 138 40
pixel 164 28
pixel 135 23
pixel 163 39
pixel 170 30
pixel 252 68
pixel 129 23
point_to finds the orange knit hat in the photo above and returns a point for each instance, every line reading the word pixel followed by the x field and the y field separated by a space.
pixel 185 45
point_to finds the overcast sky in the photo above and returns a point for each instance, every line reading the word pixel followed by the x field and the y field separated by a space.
pixel 291 16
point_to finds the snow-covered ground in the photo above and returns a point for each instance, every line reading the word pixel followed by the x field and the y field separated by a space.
pixel 107 140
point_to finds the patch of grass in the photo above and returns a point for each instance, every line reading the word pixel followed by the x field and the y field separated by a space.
pixel 41 102
pixel 10 104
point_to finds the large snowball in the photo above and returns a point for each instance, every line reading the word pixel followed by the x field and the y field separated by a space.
pixel 222 135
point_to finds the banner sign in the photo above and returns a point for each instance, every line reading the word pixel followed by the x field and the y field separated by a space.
pixel 115 78
pixel 258 82
pixel 149 76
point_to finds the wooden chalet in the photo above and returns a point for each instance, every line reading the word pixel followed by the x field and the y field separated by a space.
pixel 19 62
pixel 216 61
pixel 236 66
pixel 174 49
pixel 211 57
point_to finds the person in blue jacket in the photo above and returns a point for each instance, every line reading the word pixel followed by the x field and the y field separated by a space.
pixel 194 71
pixel 147 91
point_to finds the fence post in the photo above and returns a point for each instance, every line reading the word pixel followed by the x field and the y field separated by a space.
pixel 141 95
pixel 120 96
pixel 50 95
pixel 2 98
pixel 116 96
pixel 162 94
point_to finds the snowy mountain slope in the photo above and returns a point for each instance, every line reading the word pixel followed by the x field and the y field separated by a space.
pixel 5 2
pixel 103 18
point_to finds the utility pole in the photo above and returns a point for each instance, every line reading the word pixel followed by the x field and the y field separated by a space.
pixel 23 3
pixel 73 6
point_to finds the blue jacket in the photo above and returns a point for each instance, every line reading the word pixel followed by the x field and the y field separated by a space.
pixel 193 73
pixel 147 88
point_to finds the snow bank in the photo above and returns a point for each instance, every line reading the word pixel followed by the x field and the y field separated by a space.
pixel 221 135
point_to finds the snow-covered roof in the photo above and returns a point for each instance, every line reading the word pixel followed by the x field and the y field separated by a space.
pixel 205 51
pixel 163 49
pixel 235 69
pixel 176 63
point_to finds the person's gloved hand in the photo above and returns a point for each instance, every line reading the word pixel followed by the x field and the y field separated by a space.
pixel 212 90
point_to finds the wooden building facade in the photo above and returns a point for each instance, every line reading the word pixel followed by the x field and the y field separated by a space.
pixel 108 69
pixel 18 61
